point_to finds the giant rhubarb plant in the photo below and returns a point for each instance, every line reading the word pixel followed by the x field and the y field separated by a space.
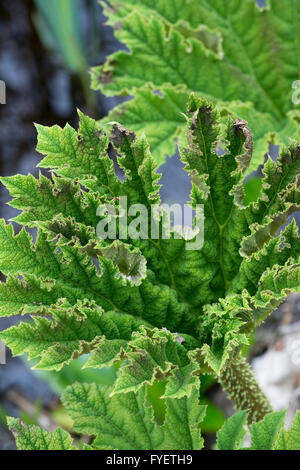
pixel 159 311
pixel 230 51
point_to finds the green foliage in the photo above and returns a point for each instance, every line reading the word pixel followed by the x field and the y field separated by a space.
pixel 30 437
pixel 289 439
pixel 232 432
pixel 232 52
pixel 156 310
pixel 124 422
pixel 263 434
pixel 69 374
pixel 267 434
pixel 87 310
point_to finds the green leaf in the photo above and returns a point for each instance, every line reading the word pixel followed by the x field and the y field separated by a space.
pixel 179 10
pixel 211 298
pixel 232 433
pixel 188 411
pixel 147 111
pixel 267 434
pixel 289 439
pixel 158 355
pixel 252 190
pixel 125 422
pixel 41 200
pixel 81 157
pixel 70 332
pixel 264 433
pixel 71 274
pixel 163 55
pixel 130 262
pixel 278 200
pixel 35 438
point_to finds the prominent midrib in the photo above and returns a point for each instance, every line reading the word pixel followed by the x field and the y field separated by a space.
pixel 157 245
pixel 228 23
pixel 86 289
pixel 105 418
pixel 220 227
pixel 182 80
pixel 171 274
pixel 163 58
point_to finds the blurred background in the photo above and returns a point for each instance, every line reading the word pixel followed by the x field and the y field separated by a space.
pixel 46 50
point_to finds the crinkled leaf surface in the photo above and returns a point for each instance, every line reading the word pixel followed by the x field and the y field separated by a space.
pixel 264 433
pixel 157 309
pixel 232 433
pixel 29 437
pixel 267 434
pixel 289 439
pixel 126 422
pixel 232 52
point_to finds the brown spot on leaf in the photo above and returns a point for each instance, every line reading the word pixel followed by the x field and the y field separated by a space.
pixel 241 126
pixel 119 134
